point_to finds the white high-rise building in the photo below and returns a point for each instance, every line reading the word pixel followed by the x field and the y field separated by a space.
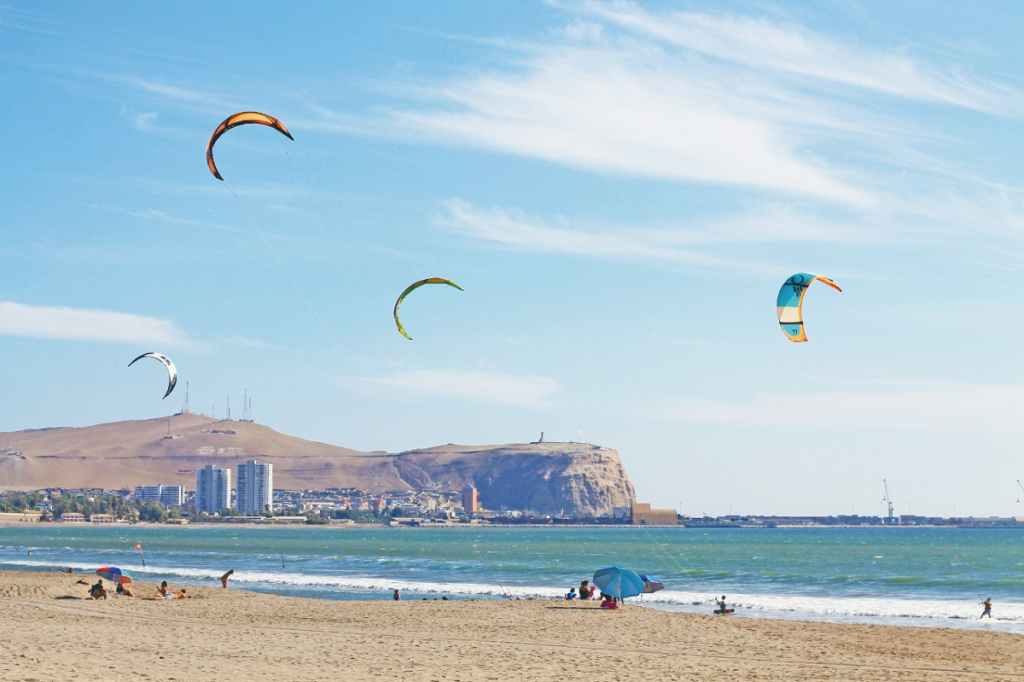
pixel 167 495
pixel 172 495
pixel 255 487
pixel 213 489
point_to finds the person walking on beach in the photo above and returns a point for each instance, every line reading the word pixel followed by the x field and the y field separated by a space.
pixel 224 578
pixel 988 608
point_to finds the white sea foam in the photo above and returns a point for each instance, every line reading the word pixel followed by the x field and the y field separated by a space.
pixel 917 611
pixel 837 608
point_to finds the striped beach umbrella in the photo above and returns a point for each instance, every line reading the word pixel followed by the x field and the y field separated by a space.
pixel 114 574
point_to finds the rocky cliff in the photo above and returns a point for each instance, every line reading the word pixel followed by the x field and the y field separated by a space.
pixel 551 478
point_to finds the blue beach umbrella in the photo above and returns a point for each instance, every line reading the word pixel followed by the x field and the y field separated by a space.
pixel 114 574
pixel 618 582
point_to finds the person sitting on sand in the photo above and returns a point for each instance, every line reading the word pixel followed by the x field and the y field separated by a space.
pixel 608 602
pixel 124 591
pixel 224 578
pixel 162 591
pixel 988 608
pixel 396 596
pixel 97 591
pixel 572 593
pixel 586 591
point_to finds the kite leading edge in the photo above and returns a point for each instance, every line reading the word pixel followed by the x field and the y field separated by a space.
pixel 789 304
pixel 413 287
pixel 241 118
pixel 172 371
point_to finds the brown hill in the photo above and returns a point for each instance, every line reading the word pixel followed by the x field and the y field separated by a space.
pixel 575 478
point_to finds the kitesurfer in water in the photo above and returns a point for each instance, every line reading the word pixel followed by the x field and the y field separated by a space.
pixel 721 605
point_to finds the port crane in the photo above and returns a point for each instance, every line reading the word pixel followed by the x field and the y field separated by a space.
pixel 891 520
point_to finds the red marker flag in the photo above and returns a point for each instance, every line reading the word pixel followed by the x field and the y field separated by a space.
pixel 138 546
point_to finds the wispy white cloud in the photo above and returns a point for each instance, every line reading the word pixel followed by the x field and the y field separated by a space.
pixel 173 93
pixel 502 389
pixel 515 229
pixel 246 342
pixel 22 20
pixel 924 406
pixel 162 216
pixel 627 111
pixel 691 97
pixel 140 121
pixel 46 322
pixel 763 46
pixel 691 243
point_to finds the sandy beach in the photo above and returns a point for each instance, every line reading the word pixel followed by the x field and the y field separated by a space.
pixel 51 632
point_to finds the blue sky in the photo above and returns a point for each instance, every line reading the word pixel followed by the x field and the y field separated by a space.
pixel 620 188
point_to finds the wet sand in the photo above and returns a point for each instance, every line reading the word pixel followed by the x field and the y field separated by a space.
pixel 51 632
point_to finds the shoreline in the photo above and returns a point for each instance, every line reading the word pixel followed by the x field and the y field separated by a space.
pixel 29 520
pixel 238 635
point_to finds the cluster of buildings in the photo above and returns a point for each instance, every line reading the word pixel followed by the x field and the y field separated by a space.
pixel 425 503
pixel 253 491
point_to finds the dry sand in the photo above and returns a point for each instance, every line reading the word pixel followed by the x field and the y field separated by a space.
pixel 49 632
pixel 14 519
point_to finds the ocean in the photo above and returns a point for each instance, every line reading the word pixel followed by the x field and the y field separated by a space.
pixel 894 576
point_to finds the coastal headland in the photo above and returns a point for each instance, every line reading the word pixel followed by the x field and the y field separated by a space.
pixel 52 633
pixel 575 478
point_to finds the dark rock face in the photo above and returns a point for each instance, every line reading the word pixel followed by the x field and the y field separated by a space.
pixel 576 479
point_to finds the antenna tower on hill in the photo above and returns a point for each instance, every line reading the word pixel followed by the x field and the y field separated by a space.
pixel 229 408
pixel 185 410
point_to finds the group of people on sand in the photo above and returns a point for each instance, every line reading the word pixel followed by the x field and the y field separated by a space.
pixel 587 592
pixel 98 591
pixel 164 592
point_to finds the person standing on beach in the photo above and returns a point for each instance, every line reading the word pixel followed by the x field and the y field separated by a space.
pixel 224 578
pixel 988 608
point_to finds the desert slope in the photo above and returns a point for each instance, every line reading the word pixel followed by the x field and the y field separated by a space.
pixel 573 478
